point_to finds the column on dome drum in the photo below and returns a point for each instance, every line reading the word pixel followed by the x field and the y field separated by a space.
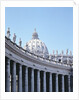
pixel 66 83
pixel 53 82
pixel 47 81
pixel 7 74
pixel 60 83
pixel 13 76
pixel 71 83
pixel 41 81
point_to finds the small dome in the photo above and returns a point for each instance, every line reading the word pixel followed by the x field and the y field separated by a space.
pixel 37 46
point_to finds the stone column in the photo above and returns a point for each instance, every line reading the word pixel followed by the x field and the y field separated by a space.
pixel 56 82
pixel 7 75
pixel 50 82
pixel 20 79
pixel 68 83
pixel 44 81
pixel 13 85
pixel 32 80
pixel 38 81
pixel 26 79
pixel 62 83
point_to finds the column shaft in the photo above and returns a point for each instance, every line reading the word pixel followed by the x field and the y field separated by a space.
pixel 20 79
pixel 56 82
pixel 44 81
pixel 50 82
pixel 68 83
pixel 32 80
pixel 62 83
pixel 13 85
pixel 38 81
pixel 26 79
pixel 7 75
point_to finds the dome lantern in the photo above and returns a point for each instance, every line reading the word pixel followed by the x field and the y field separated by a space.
pixel 35 35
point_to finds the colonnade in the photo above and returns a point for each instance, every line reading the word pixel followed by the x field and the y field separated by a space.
pixel 19 78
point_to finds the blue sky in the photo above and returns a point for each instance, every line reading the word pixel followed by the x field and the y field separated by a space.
pixel 54 25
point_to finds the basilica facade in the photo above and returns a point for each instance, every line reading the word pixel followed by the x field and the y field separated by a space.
pixel 32 69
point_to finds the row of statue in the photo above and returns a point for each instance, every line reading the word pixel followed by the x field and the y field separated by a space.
pixel 62 52
pixel 14 37
pixel 20 43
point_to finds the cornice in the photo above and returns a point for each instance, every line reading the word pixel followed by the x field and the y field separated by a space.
pixel 14 48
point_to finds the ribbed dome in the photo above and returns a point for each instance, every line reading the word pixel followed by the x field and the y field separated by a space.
pixel 37 46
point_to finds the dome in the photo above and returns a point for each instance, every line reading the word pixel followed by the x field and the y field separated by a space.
pixel 36 46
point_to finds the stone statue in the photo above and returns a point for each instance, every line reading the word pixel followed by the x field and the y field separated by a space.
pixel 67 52
pixel 20 42
pixel 8 33
pixel 53 52
pixel 70 52
pixel 56 52
pixel 62 52
pixel 14 38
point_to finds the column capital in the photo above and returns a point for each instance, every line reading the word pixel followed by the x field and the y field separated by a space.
pixel 8 61
pixel 57 74
pixel 63 75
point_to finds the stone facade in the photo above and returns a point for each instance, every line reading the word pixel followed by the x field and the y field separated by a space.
pixel 26 71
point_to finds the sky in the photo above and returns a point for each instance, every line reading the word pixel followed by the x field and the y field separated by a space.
pixel 54 25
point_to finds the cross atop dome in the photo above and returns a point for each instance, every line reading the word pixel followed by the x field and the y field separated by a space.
pixel 35 34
